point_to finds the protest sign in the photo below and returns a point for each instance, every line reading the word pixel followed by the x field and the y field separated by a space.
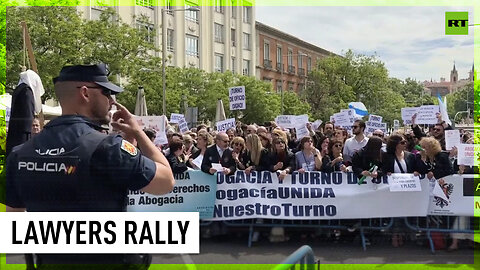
pixel 157 123
pixel 404 182
pixel 427 114
pixel 452 138
pixel 375 118
pixel 224 125
pixel 453 196
pixel 237 98
pixel 343 119
pixel 301 131
pixel 176 117
pixel 286 121
pixel 466 154
pixel 301 119
pixel 407 114
pixel 316 124
pixel 194 191
pixel 182 125
pixel 370 127
pixel 396 124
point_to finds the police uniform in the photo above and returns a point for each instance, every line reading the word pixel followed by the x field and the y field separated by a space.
pixel 72 167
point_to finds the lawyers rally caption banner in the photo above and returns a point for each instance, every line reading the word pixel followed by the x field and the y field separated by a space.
pixel 194 191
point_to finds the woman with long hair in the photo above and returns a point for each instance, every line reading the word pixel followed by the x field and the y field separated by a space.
pixel 308 158
pixel 204 140
pixel 367 157
pixel 281 159
pixel 238 150
pixel 333 160
pixel 266 140
pixel 434 162
pixel 256 157
pixel 397 159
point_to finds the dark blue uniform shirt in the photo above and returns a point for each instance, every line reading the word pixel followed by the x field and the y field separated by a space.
pixel 70 166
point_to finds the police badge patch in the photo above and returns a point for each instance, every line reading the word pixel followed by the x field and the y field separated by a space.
pixel 129 148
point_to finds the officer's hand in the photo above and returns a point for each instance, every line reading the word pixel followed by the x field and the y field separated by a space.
pixel 123 120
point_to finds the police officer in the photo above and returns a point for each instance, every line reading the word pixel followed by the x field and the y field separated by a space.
pixel 72 167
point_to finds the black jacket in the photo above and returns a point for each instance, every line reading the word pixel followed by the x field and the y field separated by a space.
pixel 176 165
pixel 388 162
pixel 440 166
pixel 327 166
pixel 288 161
pixel 361 163
pixel 264 163
pixel 212 156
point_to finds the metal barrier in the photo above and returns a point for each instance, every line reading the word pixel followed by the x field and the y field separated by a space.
pixel 363 225
pixel 303 257
pixel 442 224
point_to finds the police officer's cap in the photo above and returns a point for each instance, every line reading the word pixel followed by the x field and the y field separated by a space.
pixel 88 73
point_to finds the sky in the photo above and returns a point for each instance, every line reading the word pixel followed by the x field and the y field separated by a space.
pixel 411 41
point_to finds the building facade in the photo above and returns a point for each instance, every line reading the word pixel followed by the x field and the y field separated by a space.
pixel 214 38
pixel 443 87
pixel 284 60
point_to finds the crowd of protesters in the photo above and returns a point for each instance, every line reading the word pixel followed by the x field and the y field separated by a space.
pixel 329 148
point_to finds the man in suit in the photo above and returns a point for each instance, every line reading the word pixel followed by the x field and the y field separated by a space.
pixel 219 153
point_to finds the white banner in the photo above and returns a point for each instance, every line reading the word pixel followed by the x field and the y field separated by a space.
pixel 285 121
pixel 427 114
pixel 313 195
pixel 375 118
pixel 237 98
pixel 453 195
pixel 466 154
pixel 156 123
pixel 176 117
pixel 224 125
pixel 97 232
pixel 343 119
pixel 370 127
pixel 452 138
pixel 407 114
pixel 301 131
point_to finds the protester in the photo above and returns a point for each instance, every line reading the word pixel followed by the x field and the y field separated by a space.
pixel 341 134
pixel 278 133
pixel 266 140
pixel 36 126
pixel 333 160
pixel 251 129
pixel 434 162
pixel 177 158
pixel 204 140
pixel 355 143
pixel 438 131
pixel 328 130
pixel 189 145
pixel 368 157
pixel 238 150
pixel 308 158
pixel 219 153
pixel 231 133
pixel 256 157
pixel 281 159
pixel 151 133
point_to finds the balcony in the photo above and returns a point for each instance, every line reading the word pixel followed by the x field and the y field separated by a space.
pixel 279 67
pixel 267 64
pixel 301 72
pixel 291 69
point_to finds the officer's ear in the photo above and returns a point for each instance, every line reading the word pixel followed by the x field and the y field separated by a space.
pixel 84 93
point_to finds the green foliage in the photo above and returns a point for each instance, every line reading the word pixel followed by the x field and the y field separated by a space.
pixel 461 100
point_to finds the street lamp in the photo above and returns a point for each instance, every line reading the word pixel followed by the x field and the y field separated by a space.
pixel 281 75
pixel 164 50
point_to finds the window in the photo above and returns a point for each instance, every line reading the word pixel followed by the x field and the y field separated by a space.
pixel 147 30
pixel 191 15
pixel 309 64
pixel 234 10
pixel 247 14
pixel 234 64
pixel 170 38
pixel 290 86
pixel 233 36
pixel 267 80
pixel 246 67
pixel 191 45
pixel 218 62
pixel 145 3
pixel 246 41
pixel 266 50
pixel 279 85
pixel 279 58
pixel 219 6
pixel 300 59
pixel 290 58
pixel 218 32
pixel 168 7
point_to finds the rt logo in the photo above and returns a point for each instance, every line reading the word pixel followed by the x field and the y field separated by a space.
pixel 456 23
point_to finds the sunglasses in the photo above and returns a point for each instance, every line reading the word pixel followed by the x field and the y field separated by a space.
pixel 354 127
pixel 338 145
pixel 106 92
pixel 279 142
pixel 378 135
pixel 238 144
pixel 437 129
pixel 226 141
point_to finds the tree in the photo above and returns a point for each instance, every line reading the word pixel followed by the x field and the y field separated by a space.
pixel 461 100
pixel 413 93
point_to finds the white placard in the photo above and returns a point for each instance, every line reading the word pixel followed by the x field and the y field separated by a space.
pixel 301 119
pixel 237 98
pixel 182 126
pixel 217 166
pixel 116 232
pixel 370 127
pixel 375 118
pixel 224 125
pixel 176 117
pixel 427 114
pixel 452 138
pixel 466 154
pixel 343 119
pixel 407 114
pixel 161 138
pixel 285 121
pixel 198 161
pixel 316 124
pixel 404 182
pixel 156 123
pixel 301 131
